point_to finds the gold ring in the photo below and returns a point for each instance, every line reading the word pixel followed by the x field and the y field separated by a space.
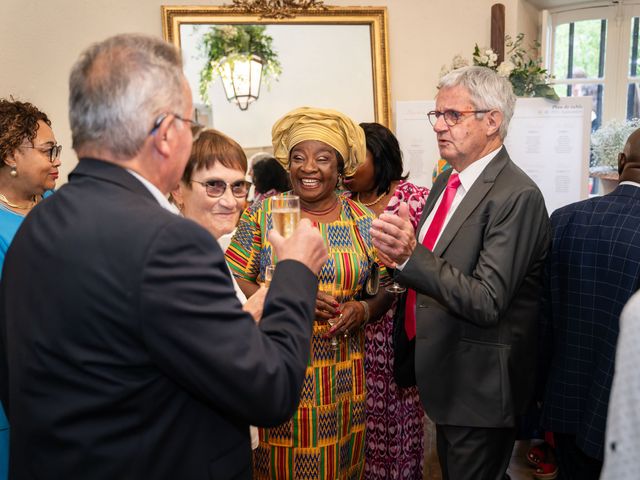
pixel 340 316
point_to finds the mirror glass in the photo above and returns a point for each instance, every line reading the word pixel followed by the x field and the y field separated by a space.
pixel 334 58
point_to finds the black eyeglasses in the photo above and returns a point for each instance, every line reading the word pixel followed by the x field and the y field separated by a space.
pixel 196 127
pixel 451 117
pixel 216 188
pixel 53 151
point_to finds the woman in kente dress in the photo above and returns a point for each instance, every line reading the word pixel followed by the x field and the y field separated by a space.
pixel 325 437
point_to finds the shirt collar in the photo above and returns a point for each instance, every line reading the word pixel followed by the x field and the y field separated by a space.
pixel 629 182
pixel 155 191
pixel 470 174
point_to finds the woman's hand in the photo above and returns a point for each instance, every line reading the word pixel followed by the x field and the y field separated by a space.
pixel 351 318
pixel 326 306
pixel 255 303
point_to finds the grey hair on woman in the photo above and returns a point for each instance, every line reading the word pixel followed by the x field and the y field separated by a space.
pixel 487 89
pixel 114 108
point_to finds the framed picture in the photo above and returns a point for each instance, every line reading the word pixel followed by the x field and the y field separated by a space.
pixel 331 57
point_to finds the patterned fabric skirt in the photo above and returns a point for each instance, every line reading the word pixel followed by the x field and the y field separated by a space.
pixel 325 437
pixel 394 416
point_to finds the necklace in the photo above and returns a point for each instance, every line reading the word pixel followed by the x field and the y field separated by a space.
pixel 6 201
pixel 320 212
pixel 371 204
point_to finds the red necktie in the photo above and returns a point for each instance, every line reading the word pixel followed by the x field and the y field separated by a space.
pixel 429 241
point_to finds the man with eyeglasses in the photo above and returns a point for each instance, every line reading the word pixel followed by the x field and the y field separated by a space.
pixel 125 352
pixel 474 275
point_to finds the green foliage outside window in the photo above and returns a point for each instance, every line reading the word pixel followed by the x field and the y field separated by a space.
pixel 586 48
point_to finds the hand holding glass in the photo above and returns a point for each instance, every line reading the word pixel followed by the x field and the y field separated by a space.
pixel 335 291
pixel 394 287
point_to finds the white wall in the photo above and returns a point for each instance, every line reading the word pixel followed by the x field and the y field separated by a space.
pixel 41 39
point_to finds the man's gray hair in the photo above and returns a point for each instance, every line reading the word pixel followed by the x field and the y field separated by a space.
pixel 118 87
pixel 488 91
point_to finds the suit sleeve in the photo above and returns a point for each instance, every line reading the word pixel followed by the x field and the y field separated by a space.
pixel 196 331
pixel 515 238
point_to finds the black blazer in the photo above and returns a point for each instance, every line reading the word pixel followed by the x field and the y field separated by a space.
pixel 477 302
pixel 127 353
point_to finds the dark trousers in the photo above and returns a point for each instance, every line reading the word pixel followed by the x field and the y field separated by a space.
pixel 467 453
pixel 573 463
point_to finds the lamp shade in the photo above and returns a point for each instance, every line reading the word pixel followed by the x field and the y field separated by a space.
pixel 241 80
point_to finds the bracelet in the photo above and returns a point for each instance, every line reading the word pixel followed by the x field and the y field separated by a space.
pixel 365 305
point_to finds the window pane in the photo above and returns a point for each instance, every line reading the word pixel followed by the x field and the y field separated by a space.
pixel 633 59
pixel 595 90
pixel 579 49
pixel 633 101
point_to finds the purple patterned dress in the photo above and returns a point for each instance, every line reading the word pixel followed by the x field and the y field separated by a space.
pixel 394 441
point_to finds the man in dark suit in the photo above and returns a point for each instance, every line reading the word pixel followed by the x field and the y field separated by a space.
pixel 593 269
pixel 126 351
pixel 476 268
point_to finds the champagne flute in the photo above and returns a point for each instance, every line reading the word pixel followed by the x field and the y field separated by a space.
pixel 285 213
pixel 333 289
pixel 268 274
pixel 395 288
pixel 334 339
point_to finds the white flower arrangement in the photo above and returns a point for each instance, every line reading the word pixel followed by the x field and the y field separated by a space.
pixel 608 141
pixel 525 72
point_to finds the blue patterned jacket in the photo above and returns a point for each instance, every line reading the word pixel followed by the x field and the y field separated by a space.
pixel 593 268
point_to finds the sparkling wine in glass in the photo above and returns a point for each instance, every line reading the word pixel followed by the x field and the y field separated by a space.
pixel 268 274
pixel 334 339
pixel 285 212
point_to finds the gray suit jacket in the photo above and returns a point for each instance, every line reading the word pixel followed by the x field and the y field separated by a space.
pixel 478 296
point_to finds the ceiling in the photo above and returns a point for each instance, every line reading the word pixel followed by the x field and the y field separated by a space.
pixel 548 4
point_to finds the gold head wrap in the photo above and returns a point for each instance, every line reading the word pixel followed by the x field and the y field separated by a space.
pixel 328 126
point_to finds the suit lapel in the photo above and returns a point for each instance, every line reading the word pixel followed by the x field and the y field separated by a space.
pixel 474 196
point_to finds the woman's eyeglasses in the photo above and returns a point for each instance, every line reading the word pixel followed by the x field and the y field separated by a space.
pixel 216 188
pixel 53 151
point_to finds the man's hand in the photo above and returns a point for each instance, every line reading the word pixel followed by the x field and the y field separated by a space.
pixel 306 245
pixel 394 237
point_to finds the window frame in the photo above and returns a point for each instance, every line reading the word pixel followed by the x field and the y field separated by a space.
pixel 616 76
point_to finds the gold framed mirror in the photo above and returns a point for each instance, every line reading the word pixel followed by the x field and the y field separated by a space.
pixel 331 57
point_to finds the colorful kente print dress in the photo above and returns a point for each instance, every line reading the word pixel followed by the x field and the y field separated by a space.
pixel 325 437
pixel 394 416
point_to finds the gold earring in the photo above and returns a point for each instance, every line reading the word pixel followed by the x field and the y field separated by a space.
pixel 14 172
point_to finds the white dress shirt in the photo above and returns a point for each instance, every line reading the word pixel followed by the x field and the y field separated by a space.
pixel 157 194
pixel 467 178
